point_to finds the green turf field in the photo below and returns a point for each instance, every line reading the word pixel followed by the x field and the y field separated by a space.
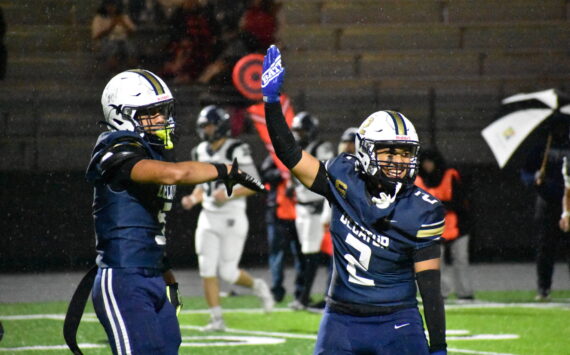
pixel 499 323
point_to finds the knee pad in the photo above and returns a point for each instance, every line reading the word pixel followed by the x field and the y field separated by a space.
pixel 229 272
pixel 207 266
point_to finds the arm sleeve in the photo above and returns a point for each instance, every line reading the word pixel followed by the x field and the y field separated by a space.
pixel 320 185
pixel 429 284
pixel 282 139
pixel 433 251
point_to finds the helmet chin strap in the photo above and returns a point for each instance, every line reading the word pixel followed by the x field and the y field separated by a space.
pixel 384 200
pixel 164 135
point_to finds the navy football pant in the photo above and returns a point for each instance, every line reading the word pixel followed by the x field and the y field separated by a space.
pixel 398 333
pixel 134 310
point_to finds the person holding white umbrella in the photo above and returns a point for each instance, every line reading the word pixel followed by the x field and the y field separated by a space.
pixel 542 171
pixel 532 128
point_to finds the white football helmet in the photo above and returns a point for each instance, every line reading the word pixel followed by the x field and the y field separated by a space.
pixel 387 129
pixel 135 93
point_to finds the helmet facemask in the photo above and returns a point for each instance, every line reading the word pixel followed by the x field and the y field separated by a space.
pixel 161 134
pixel 389 173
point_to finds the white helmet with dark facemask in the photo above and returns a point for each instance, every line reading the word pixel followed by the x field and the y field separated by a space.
pixel 305 128
pixel 216 116
pixel 387 129
pixel 135 94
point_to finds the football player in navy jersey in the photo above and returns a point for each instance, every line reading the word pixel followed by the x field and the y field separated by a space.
pixel 385 233
pixel 134 187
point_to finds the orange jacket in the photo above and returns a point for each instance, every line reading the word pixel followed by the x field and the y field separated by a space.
pixel 285 205
pixel 444 192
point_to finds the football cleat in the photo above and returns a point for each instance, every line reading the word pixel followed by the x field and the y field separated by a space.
pixel 261 290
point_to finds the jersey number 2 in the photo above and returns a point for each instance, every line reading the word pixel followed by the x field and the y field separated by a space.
pixel 363 261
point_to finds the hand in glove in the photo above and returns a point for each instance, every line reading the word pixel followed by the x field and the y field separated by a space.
pixel 173 296
pixel 273 75
pixel 236 176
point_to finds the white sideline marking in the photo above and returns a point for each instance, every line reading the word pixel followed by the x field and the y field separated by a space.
pixel 93 317
pixel 52 347
pixel 476 352
pixel 564 306
pixel 229 340
pixel 258 332
pixel 485 337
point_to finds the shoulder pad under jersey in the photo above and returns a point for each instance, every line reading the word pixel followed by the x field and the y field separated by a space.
pixel 431 213
pixel 121 151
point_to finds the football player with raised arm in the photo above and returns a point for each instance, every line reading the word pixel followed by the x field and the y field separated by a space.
pixel 222 225
pixel 134 187
pixel 385 233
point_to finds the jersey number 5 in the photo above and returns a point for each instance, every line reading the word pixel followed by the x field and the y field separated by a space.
pixel 363 261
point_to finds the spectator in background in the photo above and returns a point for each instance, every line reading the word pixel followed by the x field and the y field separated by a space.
pixel 3 51
pixel 445 184
pixel 146 13
pixel 194 41
pixel 548 183
pixel 260 24
pixel 111 30
pixel 253 33
pixel 281 230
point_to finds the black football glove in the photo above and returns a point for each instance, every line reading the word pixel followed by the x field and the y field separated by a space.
pixel 235 177
pixel 174 296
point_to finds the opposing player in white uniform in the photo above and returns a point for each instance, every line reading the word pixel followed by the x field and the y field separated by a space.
pixel 309 205
pixel 222 225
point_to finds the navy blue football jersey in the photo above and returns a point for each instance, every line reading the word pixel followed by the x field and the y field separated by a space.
pixel 374 247
pixel 129 217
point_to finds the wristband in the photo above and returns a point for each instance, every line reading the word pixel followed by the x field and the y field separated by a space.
pixel 222 170
pixel 271 99
pixel 565 214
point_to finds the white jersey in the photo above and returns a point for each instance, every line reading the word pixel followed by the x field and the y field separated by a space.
pixel 232 148
pixel 322 151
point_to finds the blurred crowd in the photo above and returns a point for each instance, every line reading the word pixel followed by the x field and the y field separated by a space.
pixel 186 41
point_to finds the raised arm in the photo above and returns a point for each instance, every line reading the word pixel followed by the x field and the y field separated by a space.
pixel 303 165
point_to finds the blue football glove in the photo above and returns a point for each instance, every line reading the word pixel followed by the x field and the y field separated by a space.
pixel 438 352
pixel 273 75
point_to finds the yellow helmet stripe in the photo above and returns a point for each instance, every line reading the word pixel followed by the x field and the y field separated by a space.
pixel 399 123
pixel 156 85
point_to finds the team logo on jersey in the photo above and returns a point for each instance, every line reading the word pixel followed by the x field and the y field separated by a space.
pixel 367 236
pixel 341 187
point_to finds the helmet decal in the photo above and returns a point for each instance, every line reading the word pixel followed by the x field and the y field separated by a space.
pixel 156 85
pixel 399 123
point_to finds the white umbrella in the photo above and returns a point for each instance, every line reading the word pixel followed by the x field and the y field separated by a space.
pixel 521 114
